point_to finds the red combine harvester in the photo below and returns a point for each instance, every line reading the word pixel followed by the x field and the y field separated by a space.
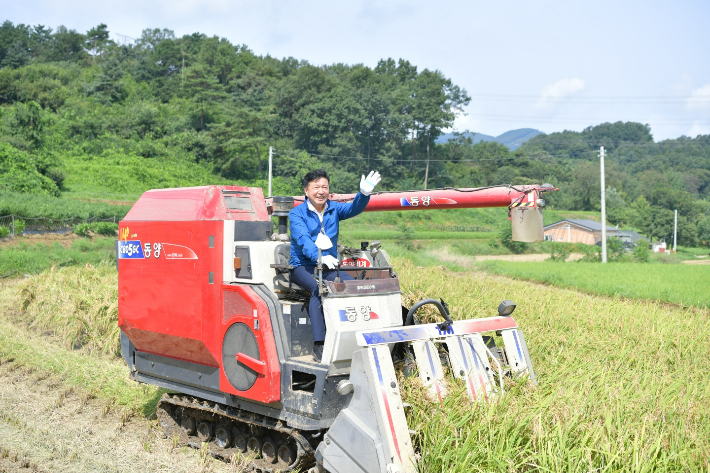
pixel 207 310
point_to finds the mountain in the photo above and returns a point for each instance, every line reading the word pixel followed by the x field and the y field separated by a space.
pixel 513 139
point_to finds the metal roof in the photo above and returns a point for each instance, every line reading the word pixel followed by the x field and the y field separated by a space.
pixel 584 223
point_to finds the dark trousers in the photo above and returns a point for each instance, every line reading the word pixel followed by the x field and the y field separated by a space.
pixel 303 276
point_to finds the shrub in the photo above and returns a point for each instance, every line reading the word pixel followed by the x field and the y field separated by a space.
pixel 104 228
pixel 4 231
pixel 592 254
pixel 19 226
pixel 82 229
pixel 506 239
pixel 560 252
pixel 405 236
pixel 641 253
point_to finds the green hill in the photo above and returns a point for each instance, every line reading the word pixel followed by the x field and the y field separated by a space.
pixel 86 123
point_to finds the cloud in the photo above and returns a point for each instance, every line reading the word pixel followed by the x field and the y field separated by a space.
pixel 699 99
pixel 699 129
pixel 554 93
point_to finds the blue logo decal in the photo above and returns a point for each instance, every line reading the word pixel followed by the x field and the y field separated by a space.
pixel 403 202
pixel 446 330
pixel 130 250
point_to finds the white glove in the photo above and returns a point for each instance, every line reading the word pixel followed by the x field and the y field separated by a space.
pixel 330 261
pixel 369 183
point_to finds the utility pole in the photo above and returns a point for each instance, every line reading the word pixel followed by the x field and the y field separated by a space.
pixel 426 174
pixel 271 153
pixel 601 160
pixel 675 230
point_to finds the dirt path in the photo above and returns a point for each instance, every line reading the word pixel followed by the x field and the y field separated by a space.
pixel 523 258
pixel 46 427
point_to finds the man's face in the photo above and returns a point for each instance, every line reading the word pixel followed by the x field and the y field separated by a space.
pixel 317 191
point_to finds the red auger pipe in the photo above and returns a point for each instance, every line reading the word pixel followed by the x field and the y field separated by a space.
pixel 498 196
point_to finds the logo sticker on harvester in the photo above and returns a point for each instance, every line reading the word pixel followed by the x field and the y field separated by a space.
pixel 350 314
pixel 134 249
pixel 425 201
pixel 130 250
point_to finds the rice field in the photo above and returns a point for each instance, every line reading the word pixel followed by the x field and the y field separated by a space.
pixel 623 384
pixel 687 285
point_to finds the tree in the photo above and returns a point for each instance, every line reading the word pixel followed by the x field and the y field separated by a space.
pixel 16 56
pixel 202 88
pixel 97 40
pixel 437 102
pixel 107 87
pixel 641 215
pixel 66 45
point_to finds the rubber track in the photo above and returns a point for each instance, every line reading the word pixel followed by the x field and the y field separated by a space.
pixel 305 455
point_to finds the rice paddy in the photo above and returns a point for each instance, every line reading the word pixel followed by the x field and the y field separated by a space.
pixel 623 384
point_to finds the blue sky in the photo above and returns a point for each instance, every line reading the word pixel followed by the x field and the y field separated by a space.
pixel 550 65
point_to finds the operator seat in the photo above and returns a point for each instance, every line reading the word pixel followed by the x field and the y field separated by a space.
pixel 282 281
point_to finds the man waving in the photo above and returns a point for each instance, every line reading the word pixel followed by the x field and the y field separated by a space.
pixel 317 219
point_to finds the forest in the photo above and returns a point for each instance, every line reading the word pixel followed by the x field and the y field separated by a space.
pixel 83 117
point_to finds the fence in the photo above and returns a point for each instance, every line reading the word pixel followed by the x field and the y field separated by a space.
pixel 17 225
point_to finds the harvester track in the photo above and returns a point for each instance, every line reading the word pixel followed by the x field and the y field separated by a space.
pixel 270 445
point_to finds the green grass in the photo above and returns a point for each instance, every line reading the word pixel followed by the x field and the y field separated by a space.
pixel 38 205
pixel 677 283
pixel 123 176
pixel 375 234
pixel 27 258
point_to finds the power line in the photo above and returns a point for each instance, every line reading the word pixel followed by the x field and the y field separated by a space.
pixel 540 158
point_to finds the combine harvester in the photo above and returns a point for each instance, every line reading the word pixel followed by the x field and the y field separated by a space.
pixel 208 311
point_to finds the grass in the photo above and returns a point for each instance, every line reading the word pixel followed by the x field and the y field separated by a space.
pixel 37 205
pixel 124 176
pixel 682 284
pixel 28 258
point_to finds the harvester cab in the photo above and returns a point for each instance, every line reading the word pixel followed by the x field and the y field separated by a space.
pixel 207 309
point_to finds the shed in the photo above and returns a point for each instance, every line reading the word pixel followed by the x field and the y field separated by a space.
pixel 578 231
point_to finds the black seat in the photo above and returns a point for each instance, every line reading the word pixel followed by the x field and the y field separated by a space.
pixel 282 281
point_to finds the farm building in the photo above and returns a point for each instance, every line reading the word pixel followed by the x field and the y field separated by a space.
pixel 578 231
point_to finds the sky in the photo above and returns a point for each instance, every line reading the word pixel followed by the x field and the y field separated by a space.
pixel 551 65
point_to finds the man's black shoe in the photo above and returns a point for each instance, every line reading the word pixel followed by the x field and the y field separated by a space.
pixel 317 352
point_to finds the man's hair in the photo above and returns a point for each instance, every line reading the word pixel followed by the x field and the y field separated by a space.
pixel 314 176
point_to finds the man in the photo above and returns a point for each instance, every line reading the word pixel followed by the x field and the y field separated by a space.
pixel 317 218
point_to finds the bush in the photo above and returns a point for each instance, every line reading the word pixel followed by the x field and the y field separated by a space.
pixel 506 239
pixel 641 252
pixel 592 254
pixel 4 231
pixel 560 252
pixel 405 236
pixel 19 226
pixel 82 229
pixel 105 228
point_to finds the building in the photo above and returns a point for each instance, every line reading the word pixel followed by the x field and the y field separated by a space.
pixel 630 236
pixel 578 231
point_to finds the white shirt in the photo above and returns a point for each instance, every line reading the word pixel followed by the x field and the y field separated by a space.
pixel 320 214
